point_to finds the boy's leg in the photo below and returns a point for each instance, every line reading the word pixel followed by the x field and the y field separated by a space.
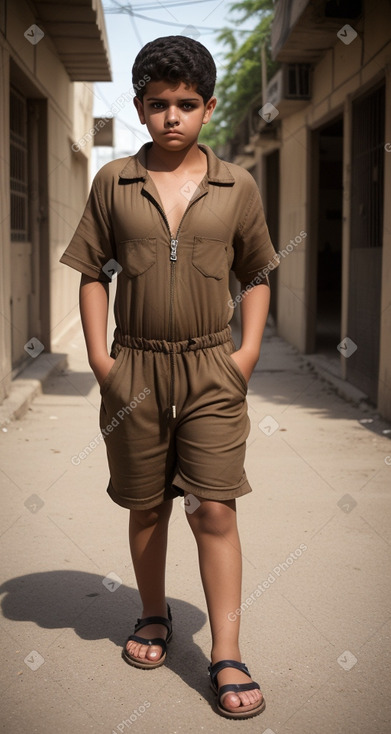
pixel 216 533
pixel 148 547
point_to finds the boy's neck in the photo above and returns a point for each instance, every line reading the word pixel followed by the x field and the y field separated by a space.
pixel 159 159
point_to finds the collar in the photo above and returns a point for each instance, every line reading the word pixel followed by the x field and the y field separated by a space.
pixel 218 171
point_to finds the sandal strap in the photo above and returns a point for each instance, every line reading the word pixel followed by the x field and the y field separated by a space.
pixel 237 688
pixel 155 620
pixel 154 641
pixel 215 669
pixel 152 620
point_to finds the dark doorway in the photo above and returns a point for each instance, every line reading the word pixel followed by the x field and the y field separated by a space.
pixel 365 262
pixel 21 249
pixel 329 238
pixel 272 206
pixel 30 297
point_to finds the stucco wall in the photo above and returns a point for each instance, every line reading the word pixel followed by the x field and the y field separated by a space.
pixel 68 189
pixel 342 73
pixel 38 69
pixel 292 296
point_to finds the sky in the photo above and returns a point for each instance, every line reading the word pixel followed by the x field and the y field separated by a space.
pixel 127 34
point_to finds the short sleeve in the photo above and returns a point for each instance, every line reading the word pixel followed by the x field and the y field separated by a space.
pixel 254 255
pixel 91 247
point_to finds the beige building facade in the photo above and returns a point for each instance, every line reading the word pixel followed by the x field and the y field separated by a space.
pixel 321 152
pixel 51 53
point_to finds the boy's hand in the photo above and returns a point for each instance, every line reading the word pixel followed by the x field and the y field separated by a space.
pixel 93 310
pixel 246 361
pixel 102 367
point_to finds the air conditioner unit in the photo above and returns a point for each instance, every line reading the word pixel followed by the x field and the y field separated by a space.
pixel 290 88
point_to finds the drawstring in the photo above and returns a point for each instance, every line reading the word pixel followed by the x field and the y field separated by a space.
pixel 173 348
pixel 190 342
pixel 172 385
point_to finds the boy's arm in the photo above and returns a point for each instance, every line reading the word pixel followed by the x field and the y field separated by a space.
pixel 254 311
pixel 93 299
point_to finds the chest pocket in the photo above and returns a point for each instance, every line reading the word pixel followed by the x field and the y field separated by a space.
pixel 210 257
pixel 138 256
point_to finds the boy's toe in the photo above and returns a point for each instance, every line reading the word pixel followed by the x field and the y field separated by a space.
pixel 153 652
pixel 231 701
pixel 133 648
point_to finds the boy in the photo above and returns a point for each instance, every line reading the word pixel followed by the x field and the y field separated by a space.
pixel 172 221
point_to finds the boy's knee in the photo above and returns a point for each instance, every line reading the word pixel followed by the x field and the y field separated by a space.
pixel 149 518
pixel 212 517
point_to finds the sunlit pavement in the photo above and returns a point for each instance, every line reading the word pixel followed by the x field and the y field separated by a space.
pixel 315 612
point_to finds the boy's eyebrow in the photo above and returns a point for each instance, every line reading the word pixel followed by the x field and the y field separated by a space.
pixel 182 99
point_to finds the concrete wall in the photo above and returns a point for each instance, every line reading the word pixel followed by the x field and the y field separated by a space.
pixel 38 71
pixel 344 72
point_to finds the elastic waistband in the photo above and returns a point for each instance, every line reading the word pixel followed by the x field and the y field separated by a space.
pixel 186 345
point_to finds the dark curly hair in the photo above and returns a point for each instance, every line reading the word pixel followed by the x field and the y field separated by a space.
pixel 174 59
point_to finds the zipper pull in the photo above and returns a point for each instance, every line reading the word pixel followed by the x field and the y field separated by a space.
pixel 174 245
pixel 173 407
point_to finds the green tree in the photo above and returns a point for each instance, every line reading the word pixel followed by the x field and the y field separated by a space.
pixel 242 77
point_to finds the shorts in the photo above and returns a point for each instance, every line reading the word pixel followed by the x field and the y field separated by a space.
pixel 174 419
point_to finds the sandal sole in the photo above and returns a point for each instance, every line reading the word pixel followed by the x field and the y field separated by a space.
pixel 136 663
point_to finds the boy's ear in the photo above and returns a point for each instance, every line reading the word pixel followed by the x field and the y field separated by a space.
pixel 140 109
pixel 209 107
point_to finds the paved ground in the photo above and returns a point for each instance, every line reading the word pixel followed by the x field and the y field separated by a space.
pixel 316 557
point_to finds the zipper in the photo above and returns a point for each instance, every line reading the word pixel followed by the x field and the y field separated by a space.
pixel 173 259
pixel 173 255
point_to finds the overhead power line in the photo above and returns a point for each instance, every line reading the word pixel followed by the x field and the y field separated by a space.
pixel 157 6
pixel 129 11
pixel 161 6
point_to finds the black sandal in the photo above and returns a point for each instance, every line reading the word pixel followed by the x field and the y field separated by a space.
pixel 143 662
pixel 243 712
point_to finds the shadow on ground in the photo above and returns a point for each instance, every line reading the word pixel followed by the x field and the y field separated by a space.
pixel 67 382
pixel 79 600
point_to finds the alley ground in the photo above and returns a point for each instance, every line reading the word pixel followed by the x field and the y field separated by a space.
pixel 316 538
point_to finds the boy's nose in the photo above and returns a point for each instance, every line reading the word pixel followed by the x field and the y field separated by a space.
pixel 172 116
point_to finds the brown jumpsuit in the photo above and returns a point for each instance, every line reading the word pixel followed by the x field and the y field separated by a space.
pixel 173 410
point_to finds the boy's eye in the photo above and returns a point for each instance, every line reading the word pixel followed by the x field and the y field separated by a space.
pixel 160 105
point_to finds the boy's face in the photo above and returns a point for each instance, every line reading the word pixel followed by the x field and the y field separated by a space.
pixel 173 115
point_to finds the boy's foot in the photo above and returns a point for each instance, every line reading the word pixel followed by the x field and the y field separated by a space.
pixel 151 652
pixel 149 649
pixel 238 703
